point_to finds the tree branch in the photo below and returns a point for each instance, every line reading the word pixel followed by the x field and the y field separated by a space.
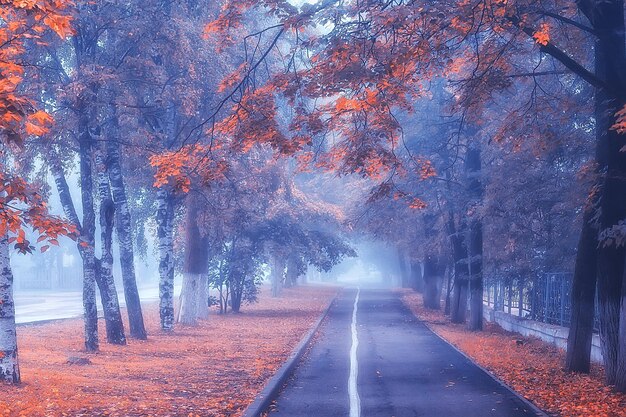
pixel 558 54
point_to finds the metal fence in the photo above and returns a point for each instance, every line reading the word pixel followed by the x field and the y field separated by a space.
pixel 547 298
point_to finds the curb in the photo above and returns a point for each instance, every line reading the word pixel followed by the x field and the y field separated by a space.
pixel 48 321
pixel 263 400
pixel 531 406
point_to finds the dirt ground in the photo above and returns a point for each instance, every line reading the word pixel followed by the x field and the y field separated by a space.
pixel 213 369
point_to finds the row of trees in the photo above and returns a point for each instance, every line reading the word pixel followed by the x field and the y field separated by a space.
pixel 475 115
pixel 521 74
pixel 118 99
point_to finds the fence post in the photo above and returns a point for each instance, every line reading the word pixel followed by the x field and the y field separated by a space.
pixel 510 296
pixel 520 284
pixel 562 297
pixel 533 295
pixel 545 298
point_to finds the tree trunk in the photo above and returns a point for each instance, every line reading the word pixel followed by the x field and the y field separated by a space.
pixel 458 304
pixel 125 237
pixel 620 377
pixel 610 60
pixel 188 311
pixel 404 269
pixel 202 312
pixel 458 299
pixel 104 268
pixel 433 277
pixel 236 296
pixel 88 231
pixel 195 264
pixel 417 278
pixel 578 358
pixel 449 280
pixel 165 228
pixel 108 293
pixel 277 274
pixel 9 365
pixel 291 276
pixel 475 241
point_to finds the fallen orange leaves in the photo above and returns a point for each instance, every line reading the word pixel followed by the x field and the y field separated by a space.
pixel 530 366
pixel 214 369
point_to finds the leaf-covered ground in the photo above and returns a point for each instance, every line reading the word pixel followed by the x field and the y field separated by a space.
pixel 530 366
pixel 214 369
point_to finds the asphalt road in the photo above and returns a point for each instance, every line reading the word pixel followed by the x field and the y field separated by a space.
pixel 42 306
pixel 404 370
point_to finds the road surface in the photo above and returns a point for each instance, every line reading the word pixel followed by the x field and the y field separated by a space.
pixel 378 360
pixel 38 306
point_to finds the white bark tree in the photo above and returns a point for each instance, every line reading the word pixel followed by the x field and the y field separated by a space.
pixel 9 366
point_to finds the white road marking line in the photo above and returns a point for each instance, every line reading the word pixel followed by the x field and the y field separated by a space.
pixel 355 400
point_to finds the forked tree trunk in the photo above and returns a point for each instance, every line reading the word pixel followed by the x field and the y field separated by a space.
pixel 165 242
pixel 9 364
pixel 104 268
pixel 123 227
pixel 108 293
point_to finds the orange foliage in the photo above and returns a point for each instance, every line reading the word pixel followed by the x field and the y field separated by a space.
pixel 20 204
pixel 214 369
pixel 531 367
pixel 620 121
pixel 542 36
pixel 25 19
pixel 177 168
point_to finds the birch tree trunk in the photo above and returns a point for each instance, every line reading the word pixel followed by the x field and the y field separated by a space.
pixel 104 275
pixel 9 365
pixel 108 293
pixel 123 227
pixel 165 227
pixel 88 230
